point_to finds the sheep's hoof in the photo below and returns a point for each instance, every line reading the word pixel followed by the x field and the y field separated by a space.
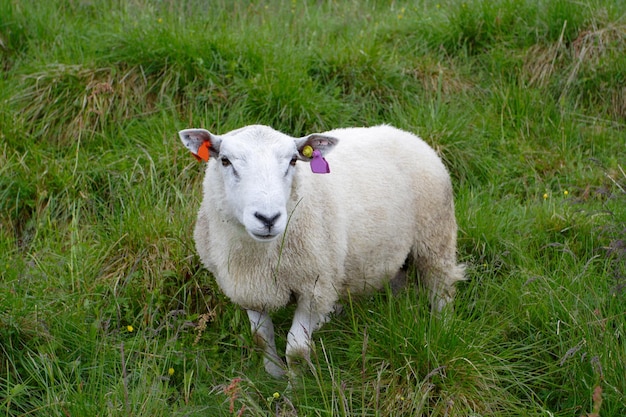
pixel 277 370
pixel 338 310
pixel 299 359
pixel 298 362
pixel 442 304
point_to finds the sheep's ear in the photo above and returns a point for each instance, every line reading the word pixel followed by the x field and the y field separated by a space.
pixel 315 142
pixel 200 142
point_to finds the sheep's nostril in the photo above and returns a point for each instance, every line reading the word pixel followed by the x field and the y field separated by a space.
pixel 267 220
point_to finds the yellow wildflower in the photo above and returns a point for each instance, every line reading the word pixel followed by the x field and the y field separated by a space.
pixel 130 328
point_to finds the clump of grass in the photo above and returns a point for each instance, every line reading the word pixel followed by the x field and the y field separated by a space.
pixel 590 61
pixel 91 93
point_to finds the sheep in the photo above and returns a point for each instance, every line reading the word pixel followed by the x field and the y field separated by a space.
pixel 270 229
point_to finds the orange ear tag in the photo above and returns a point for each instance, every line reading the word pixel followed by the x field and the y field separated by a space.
pixel 203 151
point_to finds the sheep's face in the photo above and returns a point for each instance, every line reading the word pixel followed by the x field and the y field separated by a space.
pixel 257 169
pixel 257 165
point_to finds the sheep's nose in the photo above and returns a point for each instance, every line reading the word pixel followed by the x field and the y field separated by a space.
pixel 267 220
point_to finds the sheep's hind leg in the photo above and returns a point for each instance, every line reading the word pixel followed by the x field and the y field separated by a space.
pixel 398 282
pixel 263 335
pixel 440 279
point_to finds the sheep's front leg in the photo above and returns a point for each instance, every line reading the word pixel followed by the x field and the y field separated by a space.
pixel 305 322
pixel 263 336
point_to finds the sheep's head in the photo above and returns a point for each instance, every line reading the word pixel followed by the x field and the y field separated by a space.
pixel 257 166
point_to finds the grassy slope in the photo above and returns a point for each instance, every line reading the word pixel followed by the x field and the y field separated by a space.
pixel 524 100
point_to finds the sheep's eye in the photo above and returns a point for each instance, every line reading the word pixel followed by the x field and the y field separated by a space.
pixel 293 161
pixel 225 162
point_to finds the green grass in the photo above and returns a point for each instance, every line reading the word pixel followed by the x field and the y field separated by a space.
pixel 525 102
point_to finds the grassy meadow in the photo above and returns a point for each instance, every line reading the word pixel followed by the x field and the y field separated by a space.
pixel 105 309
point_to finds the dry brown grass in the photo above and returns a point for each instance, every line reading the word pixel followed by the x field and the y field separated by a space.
pixel 98 95
pixel 436 77
pixel 544 65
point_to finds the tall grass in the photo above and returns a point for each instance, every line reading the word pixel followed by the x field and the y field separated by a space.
pixel 104 306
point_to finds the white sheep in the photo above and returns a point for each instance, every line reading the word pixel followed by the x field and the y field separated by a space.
pixel 270 230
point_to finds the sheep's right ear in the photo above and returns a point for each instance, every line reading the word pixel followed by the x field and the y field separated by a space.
pixel 200 142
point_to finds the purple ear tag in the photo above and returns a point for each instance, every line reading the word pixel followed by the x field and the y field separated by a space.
pixel 319 164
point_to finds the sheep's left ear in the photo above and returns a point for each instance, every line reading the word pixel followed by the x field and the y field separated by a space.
pixel 315 142
pixel 200 142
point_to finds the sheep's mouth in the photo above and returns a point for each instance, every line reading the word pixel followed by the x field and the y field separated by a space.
pixel 264 238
